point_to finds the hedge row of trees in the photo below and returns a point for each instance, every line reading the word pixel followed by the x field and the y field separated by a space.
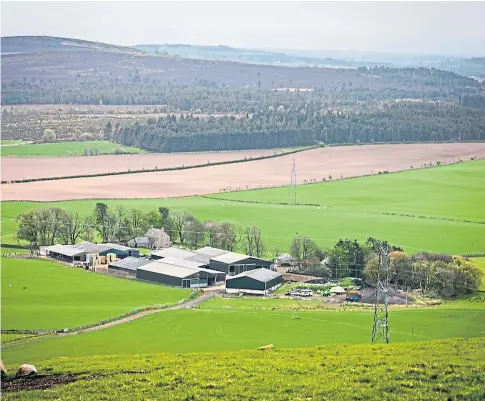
pixel 387 122
pixel 443 274
pixel 48 226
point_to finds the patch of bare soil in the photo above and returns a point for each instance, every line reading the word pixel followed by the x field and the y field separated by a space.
pixel 21 168
pixel 313 165
pixel 37 382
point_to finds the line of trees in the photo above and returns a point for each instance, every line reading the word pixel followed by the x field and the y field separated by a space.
pixel 442 274
pixel 47 226
pixel 385 122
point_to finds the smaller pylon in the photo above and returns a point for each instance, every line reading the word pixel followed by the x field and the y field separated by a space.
pixel 380 328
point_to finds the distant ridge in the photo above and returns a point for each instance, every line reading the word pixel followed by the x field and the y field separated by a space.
pixel 35 44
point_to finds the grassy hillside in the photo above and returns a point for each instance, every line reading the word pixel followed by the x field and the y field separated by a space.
pixel 46 295
pixel 207 330
pixel 437 370
pixel 64 148
pixel 354 208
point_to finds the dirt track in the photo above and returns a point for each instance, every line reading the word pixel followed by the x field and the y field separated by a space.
pixel 21 168
pixel 316 164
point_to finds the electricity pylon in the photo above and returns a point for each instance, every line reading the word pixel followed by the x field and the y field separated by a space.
pixel 380 328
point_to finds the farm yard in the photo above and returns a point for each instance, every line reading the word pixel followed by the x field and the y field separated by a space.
pixel 317 164
pixel 57 149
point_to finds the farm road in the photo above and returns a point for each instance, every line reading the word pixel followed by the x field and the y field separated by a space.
pixel 183 305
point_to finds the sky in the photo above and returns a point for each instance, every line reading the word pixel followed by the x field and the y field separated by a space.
pixel 453 28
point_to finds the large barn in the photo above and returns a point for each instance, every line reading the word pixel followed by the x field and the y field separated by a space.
pixel 259 281
pixel 233 263
pixel 179 273
pixel 127 265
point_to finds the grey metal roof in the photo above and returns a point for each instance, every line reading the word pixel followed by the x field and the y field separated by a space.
pixel 231 257
pixel 173 253
pixel 130 263
pixel 286 257
pixel 142 240
pixel 263 275
pixel 181 262
pixel 168 270
pixel 90 247
pixel 199 258
pixel 67 250
pixel 187 263
pixel 210 251
pixel 118 247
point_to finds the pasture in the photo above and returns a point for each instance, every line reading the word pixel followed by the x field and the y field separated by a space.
pixel 45 295
pixel 22 149
pixel 207 330
pixel 436 370
pixel 417 210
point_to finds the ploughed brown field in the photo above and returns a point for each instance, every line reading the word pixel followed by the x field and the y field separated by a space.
pixel 21 168
pixel 345 161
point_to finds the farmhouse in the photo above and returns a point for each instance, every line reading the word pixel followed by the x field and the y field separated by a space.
pixel 127 265
pixel 337 290
pixel 179 273
pixel 154 238
pixel 258 281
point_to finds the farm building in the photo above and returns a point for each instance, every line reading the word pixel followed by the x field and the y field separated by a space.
pixel 210 251
pixel 233 263
pixel 87 252
pixel 172 252
pixel 285 260
pixel 178 274
pixel 66 253
pixel 259 281
pixel 127 265
pixel 131 251
pixel 154 238
pixel 139 242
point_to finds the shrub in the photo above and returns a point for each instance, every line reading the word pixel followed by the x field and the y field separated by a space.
pixel 49 135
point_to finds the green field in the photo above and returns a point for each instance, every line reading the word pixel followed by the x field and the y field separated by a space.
pixel 12 142
pixel 207 330
pixel 62 148
pixel 425 371
pixel 45 295
pixel 354 209
pixel 456 192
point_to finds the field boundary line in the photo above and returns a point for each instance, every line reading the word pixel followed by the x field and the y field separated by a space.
pixel 184 304
pixel 154 170
pixel 416 216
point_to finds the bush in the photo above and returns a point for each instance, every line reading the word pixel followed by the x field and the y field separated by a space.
pixel 120 151
pixel 49 135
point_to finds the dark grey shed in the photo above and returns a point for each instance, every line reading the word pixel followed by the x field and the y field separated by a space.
pixel 233 263
pixel 128 265
pixel 257 281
